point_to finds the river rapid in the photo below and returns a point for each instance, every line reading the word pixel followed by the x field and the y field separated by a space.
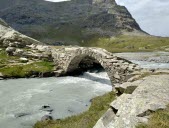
pixel 22 100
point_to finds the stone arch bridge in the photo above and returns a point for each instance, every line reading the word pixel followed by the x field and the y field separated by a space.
pixel 67 60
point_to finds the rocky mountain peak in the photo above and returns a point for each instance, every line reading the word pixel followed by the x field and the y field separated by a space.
pixel 69 22
pixel 104 2
pixel 95 1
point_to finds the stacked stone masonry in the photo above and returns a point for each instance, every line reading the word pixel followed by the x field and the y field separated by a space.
pixel 118 69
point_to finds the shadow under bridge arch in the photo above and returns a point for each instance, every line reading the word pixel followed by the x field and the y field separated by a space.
pixel 84 62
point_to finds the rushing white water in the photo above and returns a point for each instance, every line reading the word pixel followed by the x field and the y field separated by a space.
pixel 65 95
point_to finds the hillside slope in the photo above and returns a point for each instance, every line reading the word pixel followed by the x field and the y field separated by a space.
pixel 70 22
pixel 22 56
pixel 11 38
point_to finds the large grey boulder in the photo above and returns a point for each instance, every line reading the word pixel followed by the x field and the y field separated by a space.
pixel 127 87
pixel 10 50
pixel 18 52
pixel 23 60
pixel 151 94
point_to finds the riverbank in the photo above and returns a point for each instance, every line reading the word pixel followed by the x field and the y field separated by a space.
pixel 98 107
pixel 123 110
pixel 37 69
pixel 32 70
pixel 159 119
pixel 134 107
pixel 14 67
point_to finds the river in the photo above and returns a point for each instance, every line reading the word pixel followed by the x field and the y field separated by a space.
pixel 21 100
pixel 150 60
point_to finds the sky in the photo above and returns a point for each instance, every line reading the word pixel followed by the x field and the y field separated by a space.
pixel 151 15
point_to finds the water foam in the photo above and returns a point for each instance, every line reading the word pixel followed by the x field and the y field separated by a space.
pixel 66 95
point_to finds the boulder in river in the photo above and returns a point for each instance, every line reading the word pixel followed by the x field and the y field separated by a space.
pixel 46 117
pixel 46 108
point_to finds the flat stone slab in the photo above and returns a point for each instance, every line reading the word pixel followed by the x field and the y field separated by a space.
pixel 151 94
pixel 127 87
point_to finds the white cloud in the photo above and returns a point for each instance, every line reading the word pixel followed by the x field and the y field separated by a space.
pixel 152 15
pixel 57 0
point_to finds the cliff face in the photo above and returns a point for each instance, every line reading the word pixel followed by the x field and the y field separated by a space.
pixel 68 22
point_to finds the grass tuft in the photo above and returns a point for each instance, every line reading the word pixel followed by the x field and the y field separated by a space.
pixel 4 58
pixel 126 43
pixel 159 119
pixel 26 70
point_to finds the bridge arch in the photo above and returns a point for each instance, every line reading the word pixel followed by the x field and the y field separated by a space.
pixel 75 61
pixel 118 69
